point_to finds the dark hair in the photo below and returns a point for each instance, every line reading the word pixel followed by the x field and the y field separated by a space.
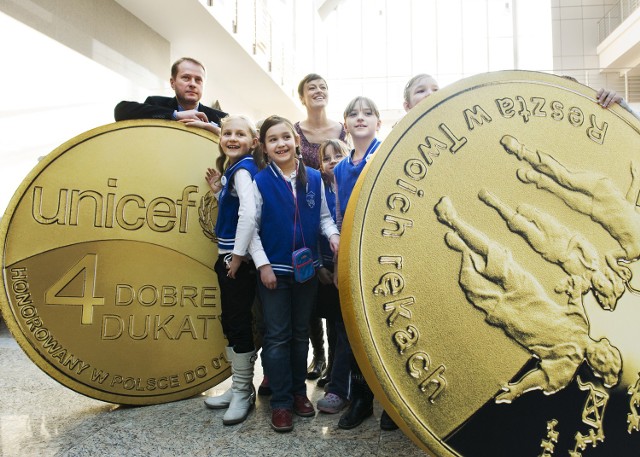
pixel 176 64
pixel 570 78
pixel 301 172
pixel 306 79
pixel 222 161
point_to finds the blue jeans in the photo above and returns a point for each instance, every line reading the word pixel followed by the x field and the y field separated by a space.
pixel 287 310
pixel 340 383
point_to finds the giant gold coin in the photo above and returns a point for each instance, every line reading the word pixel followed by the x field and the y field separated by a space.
pixel 107 257
pixel 488 271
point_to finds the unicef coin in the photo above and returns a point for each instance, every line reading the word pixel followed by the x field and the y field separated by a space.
pixel 489 271
pixel 107 257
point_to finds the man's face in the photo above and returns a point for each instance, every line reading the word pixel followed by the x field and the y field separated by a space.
pixel 188 84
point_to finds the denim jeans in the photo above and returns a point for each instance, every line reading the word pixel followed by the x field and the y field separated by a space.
pixel 340 383
pixel 287 310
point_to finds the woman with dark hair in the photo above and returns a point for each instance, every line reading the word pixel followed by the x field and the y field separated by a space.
pixel 313 131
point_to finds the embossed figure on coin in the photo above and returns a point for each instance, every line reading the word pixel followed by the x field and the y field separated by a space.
pixel 206 213
pixel 589 193
pixel 633 418
pixel 513 299
pixel 567 248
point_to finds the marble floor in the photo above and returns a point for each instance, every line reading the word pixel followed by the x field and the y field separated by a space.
pixel 39 417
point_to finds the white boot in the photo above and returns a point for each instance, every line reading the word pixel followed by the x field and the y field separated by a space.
pixel 222 401
pixel 244 394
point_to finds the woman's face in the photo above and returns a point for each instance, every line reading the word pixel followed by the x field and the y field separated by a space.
pixel 315 94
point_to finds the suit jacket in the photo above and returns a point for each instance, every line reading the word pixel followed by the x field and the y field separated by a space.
pixel 158 107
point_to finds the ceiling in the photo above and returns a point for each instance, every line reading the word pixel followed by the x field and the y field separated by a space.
pixel 234 77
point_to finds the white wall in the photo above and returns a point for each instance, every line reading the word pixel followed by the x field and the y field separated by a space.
pixel 575 38
pixel 50 93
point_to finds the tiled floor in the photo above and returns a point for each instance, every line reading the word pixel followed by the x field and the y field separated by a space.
pixel 39 417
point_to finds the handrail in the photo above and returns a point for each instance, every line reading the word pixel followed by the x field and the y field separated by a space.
pixel 252 25
pixel 616 16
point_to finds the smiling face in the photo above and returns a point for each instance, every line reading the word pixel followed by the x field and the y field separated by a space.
pixel 188 83
pixel 236 139
pixel 419 90
pixel 280 143
pixel 362 121
pixel 315 94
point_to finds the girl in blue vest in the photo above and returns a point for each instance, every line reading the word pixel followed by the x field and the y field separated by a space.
pixel 291 213
pixel 362 120
pixel 337 388
pixel 232 184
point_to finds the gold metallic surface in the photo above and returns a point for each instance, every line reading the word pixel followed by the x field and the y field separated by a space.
pixel 484 270
pixel 107 258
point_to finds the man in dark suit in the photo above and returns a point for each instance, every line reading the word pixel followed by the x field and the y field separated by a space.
pixel 187 80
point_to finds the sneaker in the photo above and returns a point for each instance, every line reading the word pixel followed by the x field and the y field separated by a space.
pixel 302 406
pixel 331 403
pixel 281 420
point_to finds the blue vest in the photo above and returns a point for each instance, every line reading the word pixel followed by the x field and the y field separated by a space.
pixel 346 174
pixel 228 204
pixel 278 209
pixel 325 248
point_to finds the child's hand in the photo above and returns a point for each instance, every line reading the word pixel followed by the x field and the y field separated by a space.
pixel 233 266
pixel 607 97
pixel 334 243
pixel 325 276
pixel 213 179
pixel 268 277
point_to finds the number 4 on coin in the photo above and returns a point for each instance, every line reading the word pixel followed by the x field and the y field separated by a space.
pixel 87 266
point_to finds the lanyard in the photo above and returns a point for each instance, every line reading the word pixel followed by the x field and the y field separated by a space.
pixel 296 214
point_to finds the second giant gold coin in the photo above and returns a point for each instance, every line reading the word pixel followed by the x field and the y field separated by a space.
pixel 488 271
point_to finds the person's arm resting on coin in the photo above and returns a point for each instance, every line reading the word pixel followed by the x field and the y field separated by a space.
pixel 608 97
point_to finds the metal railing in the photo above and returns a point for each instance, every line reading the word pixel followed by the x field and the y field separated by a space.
pixel 616 16
pixel 250 22
pixel 617 79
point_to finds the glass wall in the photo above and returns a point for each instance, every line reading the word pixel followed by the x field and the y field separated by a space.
pixel 375 46
pixel 372 47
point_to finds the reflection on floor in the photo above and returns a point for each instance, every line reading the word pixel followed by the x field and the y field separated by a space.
pixel 39 417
